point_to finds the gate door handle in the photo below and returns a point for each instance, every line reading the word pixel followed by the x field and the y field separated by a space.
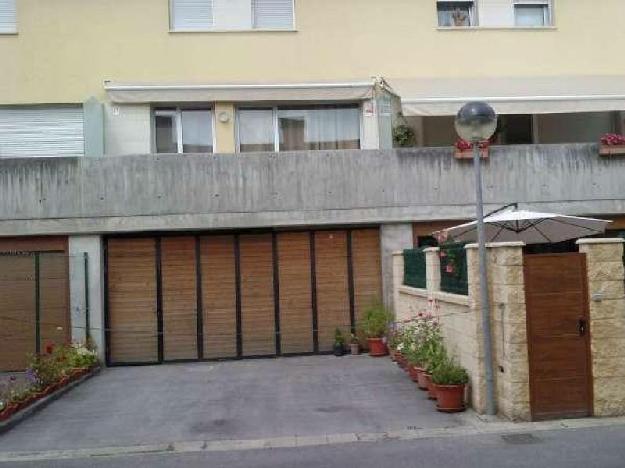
pixel 581 327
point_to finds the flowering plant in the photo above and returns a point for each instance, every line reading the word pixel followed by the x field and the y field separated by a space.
pixel 463 145
pixel 613 139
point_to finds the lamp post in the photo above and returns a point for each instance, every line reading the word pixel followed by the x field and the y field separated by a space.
pixel 476 122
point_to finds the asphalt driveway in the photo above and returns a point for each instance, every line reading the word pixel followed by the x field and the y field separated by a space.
pixel 252 399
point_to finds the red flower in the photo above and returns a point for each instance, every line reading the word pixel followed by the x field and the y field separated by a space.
pixel 463 145
pixel 49 348
pixel 612 139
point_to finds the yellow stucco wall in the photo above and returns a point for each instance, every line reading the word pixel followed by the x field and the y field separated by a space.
pixel 65 49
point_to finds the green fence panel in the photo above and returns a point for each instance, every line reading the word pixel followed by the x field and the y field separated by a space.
pixel 454 269
pixel 414 268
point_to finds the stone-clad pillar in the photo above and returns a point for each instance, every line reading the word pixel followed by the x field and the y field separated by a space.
pixel 508 327
pixel 606 288
pixel 433 269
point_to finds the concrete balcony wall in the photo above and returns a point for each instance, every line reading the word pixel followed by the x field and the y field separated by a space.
pixel 177 192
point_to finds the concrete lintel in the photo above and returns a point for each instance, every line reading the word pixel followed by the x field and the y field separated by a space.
pixel 398 253
pixel 432 249
pixel 497 245
pixel 611 240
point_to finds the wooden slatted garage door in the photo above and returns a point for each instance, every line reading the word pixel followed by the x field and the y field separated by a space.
pixel 53 298
pixel 178 273
pixel 333 308
pixel 17 311
pixel 366 261
pixel 34 297
pixel 237 295
pixel 132 314
pixel 296 313
pixel 219 296
pixel 257 292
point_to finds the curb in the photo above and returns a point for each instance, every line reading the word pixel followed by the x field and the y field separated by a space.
pixel 288 442
pixel 42 403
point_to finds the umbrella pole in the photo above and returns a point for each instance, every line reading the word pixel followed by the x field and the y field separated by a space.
pixel 484 299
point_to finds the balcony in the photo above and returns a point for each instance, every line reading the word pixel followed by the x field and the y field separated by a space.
pixel 180 192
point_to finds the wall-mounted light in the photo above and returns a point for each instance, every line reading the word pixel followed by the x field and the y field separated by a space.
pixel 224 117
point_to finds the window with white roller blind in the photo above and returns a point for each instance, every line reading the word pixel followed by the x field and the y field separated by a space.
pixel 8 19
pixel 231 15
pixel 273 14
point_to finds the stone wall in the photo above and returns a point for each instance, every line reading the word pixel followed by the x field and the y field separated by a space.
pixel 458 321
pixel 461 323
pixel 607 323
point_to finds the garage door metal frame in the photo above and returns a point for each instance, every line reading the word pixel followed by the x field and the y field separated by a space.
pixel 238 310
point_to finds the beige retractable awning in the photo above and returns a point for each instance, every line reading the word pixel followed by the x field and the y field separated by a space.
pixel 530 95
pixel 126 93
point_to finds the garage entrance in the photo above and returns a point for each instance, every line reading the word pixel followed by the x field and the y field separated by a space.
pixel 34 298
pixel 194 297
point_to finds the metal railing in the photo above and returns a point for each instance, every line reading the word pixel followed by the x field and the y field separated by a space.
pixel 414 268
pixel 453 259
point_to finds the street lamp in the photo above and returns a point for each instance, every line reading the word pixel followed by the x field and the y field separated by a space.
pixel 476 122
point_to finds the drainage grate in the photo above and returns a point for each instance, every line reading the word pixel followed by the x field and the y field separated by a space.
pixel 520 439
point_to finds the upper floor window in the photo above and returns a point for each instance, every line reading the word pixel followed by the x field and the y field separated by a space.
pixel 456 13
pixel 297 128
pixel 183 131
pixel 531 13
pixel 231 15
pixel 8 19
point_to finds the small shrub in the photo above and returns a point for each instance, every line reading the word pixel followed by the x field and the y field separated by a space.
pixel 376 320
pixel 339 339
pixel 448 372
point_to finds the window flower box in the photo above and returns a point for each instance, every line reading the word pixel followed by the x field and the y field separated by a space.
pixel 464 150
pixel 612 145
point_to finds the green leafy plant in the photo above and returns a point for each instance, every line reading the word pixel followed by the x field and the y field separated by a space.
pixel 354 339
pixel 403 136
pixel 448 372
pixel 339 339
pixel 376 320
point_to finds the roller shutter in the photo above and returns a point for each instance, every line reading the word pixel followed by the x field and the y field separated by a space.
pixel 41 131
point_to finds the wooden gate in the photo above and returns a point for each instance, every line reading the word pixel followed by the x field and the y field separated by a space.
pixel 558 334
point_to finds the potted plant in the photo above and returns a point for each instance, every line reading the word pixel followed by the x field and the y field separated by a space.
pixel 612 144
pixel 450 380
pixel 375 325
pixel 339 343
pixel 354 345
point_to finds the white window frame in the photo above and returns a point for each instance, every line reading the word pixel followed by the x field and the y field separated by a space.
pixel 276 122
pixel 547 11
pixel 251 27
pixel 176 113
pixel 473 13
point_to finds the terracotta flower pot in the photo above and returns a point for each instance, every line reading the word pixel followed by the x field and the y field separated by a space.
pixel 450 398
pixel 430 387
pixel 7 412
pixel 422 383
pixel 377 347
pixel 412 371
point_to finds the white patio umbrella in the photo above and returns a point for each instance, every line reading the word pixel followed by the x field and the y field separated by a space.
pixel 528 226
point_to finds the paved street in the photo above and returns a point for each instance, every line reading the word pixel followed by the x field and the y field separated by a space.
pixel 601 447
pixel 251 399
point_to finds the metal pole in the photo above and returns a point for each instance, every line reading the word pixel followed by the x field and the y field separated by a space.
pixel 87 318
pixel 484 299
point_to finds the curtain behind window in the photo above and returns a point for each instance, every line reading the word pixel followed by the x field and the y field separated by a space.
pixel 319 128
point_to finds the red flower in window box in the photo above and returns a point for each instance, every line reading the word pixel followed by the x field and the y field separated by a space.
pixel 464 149
pixel 612 144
